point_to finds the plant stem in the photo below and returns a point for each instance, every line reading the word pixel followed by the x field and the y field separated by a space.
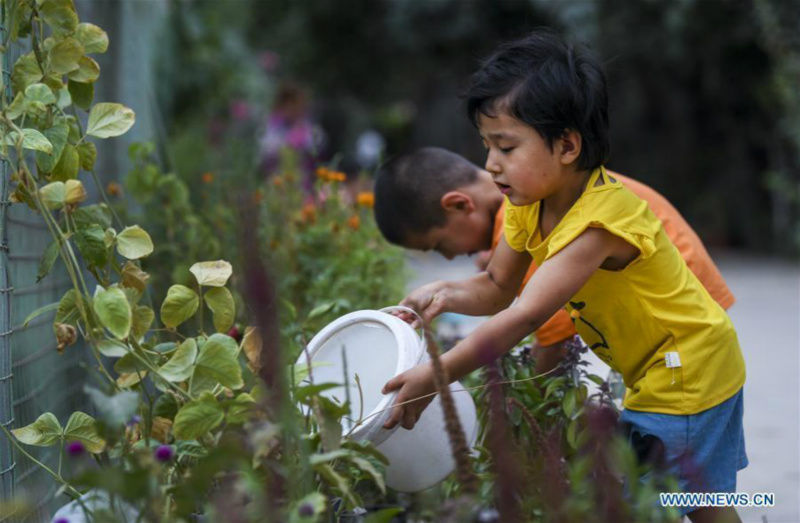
pixel 44 467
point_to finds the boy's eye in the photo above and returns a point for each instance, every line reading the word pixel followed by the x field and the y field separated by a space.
pixel 506 150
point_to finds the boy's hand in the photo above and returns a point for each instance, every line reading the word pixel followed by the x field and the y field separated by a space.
pixel 429 301
pixel 412 384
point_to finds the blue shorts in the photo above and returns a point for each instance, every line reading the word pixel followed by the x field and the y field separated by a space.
pixel 704 451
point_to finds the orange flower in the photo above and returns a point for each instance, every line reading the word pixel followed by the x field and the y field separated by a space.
pixel 114 189
pixel 365 199
pixel 322 173
pixel 277 181
pixel 309 213
pixel 338 176
pixel 258 196
pixel 208 178
pixel 354 222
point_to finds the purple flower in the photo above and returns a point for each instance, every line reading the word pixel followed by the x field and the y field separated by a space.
pixel 61 520
pixel 75 448
pixel 164 453
pixel 135 419
pixel 306 510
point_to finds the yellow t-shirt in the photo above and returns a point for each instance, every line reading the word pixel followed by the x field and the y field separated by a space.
pixel 632 318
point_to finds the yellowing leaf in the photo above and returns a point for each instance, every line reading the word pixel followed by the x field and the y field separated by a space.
pixel 75 192
pixel 43 432
pixel 220 301
pixel 180 304
pixel 134 243
pixel 81 427
pixel 107 120
pixel 114 311
pixel 181 365
pixel 65 55
pixel 212 273
pixel 94 39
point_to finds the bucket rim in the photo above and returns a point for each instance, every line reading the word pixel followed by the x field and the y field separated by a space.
pixel 405 361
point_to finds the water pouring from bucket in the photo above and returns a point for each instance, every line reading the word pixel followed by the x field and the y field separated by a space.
pixel 361 351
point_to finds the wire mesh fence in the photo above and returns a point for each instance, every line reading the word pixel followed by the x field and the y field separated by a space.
pixel 34 377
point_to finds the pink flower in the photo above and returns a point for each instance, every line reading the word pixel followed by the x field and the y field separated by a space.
pixel 268 60
pixel 239 110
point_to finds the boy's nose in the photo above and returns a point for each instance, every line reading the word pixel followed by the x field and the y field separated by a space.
pixel 492 166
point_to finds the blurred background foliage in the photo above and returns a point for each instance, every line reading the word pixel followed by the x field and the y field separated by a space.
pixel 703 93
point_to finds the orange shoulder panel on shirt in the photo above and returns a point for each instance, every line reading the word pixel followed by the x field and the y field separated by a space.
pixel 685 239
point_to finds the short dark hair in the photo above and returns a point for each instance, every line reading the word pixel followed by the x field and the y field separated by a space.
pixel 409 188
pixel 549 84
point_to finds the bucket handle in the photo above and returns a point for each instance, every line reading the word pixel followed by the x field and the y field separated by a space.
pixel 410 311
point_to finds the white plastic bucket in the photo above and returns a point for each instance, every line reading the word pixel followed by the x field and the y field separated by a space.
pixel 377 346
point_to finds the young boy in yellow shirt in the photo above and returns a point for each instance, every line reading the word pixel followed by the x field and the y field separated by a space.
pixel 434 199
pixel 540 106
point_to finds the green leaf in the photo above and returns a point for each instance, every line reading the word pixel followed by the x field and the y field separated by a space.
pixel 82 94
pixel 57 135
pixel 43 432
pixel 181 365
pixel 67 308
pixel 166 406
pixel 26 72
pixel 64 99
pixel 113 348
pixel 572 434
pixel 53 195
pixel 212 273
pixel 60 16
pixel 17 107
pixel 569 403
pixel 367 467
pixel 337 481
pixel 327 457
pixel 386 515
pixel 366 447
pixel 220 301
pixel 318 504
pixel 91 246
pixel 68 165
pixel 109 119
pixel 87 155
pixel 134 243
pixel 94 39
pixel 321 310
pixel 218 360
pixel 198 417
pixel 114 311
pixel 65 55
pixel 31 139
pixel 88 71
pixel 180 304
pixel 48 260
pixel 143 318
pixel 38 312
pixel 98 214
pixel 114 410
pixel 40 93
pixel 81 427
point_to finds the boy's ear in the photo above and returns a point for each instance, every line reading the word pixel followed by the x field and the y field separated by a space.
pixel 570 145
pixel 456 201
